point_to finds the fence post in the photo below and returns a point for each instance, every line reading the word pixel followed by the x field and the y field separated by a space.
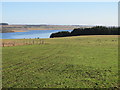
pixel 39 42
pixel 25 42
pixel 29 42
pixel 3 44
pixel 13 43
pixel 42 42
pixel 33 41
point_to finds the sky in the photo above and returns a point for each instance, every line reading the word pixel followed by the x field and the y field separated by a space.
pixel 61 13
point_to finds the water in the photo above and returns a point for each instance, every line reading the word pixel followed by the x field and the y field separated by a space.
pixel 30 34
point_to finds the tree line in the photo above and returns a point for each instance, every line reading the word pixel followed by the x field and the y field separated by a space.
pixel 3 23
pixel 97 30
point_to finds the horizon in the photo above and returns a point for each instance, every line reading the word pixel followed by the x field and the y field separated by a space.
pixel 62 24
pixel 61 13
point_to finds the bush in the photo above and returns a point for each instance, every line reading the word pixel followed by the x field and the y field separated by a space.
pixel 60 34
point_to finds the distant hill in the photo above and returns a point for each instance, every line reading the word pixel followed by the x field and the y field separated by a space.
pixel 17 28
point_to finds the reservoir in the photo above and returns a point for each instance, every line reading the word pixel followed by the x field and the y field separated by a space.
pixel 29 34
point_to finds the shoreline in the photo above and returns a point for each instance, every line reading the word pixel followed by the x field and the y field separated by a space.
pixel 70 37
pixel 18 31
pixel 35 29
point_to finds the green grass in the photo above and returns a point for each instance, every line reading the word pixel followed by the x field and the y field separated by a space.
pixel 76 62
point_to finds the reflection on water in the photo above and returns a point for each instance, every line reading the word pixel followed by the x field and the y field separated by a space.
pixel 29 34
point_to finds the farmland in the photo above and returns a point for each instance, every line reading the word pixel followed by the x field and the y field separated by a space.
pixel 69 62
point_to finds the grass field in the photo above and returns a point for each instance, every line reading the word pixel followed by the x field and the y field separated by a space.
pixel 71 62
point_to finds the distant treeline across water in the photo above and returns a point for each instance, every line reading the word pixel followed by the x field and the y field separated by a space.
pixel 97 30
